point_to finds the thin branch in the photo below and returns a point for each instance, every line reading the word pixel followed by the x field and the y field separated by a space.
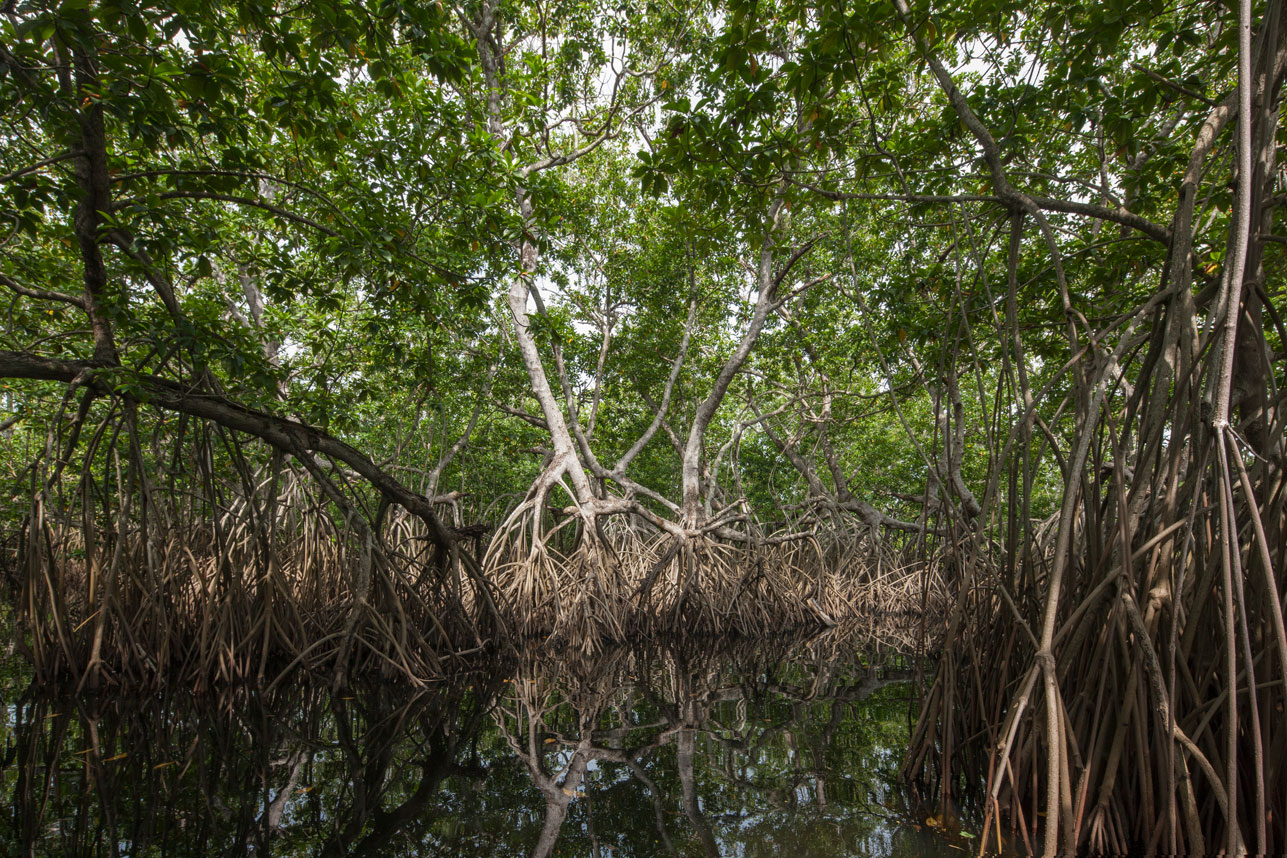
pixel 241 201
pixel 42 294
pixel 31 168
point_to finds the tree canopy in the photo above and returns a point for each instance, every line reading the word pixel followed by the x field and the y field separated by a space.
pixel 992 288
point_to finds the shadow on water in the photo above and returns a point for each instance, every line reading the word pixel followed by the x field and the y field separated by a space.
pixel 748 750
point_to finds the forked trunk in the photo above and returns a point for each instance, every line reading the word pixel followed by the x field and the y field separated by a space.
pixel 694 514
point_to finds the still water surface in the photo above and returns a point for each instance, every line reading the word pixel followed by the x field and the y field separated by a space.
pixel 767 750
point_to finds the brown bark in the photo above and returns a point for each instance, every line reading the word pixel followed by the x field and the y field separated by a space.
pixel 289 436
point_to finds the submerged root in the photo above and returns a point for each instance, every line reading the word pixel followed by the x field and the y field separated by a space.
pixel 575 597
pixel 225 576
pixel 626 582
pixel 236 599
pixel 239 599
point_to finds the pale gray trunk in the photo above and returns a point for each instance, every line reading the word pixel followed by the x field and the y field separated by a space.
pixel 564 459
pixel 694 513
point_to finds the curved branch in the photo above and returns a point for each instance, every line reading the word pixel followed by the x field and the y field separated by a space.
pixel 42 294
pixel 39 165
pixel 1121 216
pixel 659 413
pixel 242 201
pixel 288 436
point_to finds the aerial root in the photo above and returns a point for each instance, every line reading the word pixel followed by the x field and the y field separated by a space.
pixel 234 598
pixel 630 582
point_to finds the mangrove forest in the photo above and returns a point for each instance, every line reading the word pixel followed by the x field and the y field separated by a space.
pixel 643 427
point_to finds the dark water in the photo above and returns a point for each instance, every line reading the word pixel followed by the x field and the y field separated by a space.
pixel 782 750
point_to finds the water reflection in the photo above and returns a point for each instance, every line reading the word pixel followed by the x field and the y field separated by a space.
pixel 748 751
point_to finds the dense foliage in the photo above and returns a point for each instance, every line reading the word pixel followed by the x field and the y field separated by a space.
pixel 599 304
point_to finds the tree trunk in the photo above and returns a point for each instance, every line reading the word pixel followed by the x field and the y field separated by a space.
pixel 693 513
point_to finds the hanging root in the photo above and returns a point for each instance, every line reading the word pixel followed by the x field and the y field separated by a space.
pixel 623 582
pixel 133 574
